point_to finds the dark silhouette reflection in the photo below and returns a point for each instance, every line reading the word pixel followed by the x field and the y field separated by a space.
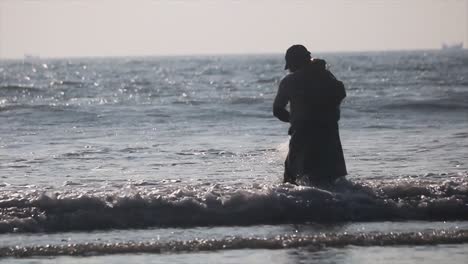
pixel 314 96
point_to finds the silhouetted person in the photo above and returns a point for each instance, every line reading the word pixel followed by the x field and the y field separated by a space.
pixel 314 96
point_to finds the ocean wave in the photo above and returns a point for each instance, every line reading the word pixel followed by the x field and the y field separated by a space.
pixel 38 108
pixel 268 80
pixel 214 70
pixel 9 89
pixel 68 83
pixel 311 242
pixel 186 206
pixel 450 101
pixel 449 104
pixel 87 153
pixel 189 102
pixel 247 100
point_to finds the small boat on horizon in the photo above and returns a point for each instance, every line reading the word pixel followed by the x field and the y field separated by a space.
pixel 31 57
pixel 455 46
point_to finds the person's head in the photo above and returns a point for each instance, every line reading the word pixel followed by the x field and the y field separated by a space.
pixel 296 57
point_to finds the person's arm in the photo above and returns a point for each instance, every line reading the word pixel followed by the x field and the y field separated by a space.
pixel 281 100
pixel 338 92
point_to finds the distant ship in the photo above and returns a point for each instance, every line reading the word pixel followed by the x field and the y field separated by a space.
pixel 28 57
pixel 456 46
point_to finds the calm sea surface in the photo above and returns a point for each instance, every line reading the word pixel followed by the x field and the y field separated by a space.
pixel 179 159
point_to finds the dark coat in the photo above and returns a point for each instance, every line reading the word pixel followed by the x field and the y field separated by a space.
pixel 314 96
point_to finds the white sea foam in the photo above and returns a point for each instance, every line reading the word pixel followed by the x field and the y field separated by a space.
pixel 311 242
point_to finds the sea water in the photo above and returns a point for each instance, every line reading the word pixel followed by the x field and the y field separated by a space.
pixel 179 159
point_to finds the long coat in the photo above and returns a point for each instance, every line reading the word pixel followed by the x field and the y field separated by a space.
pixel 314 96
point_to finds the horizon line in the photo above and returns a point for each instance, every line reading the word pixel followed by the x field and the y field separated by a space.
pixel 38 56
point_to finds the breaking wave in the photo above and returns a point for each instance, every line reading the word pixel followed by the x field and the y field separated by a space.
pixel 6 89
pixel 32 108
pixel 312 242
pixel 451 102
pixel 145 206
pixel 448 105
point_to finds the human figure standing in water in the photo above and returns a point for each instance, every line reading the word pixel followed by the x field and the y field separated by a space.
pixel 314 96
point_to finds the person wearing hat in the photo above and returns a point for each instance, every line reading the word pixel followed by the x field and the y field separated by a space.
pixel 314 96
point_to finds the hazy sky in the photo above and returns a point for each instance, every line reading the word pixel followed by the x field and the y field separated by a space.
pixel 53 28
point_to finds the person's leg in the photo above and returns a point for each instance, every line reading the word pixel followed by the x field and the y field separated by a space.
pixel 288 174
pixel 294 164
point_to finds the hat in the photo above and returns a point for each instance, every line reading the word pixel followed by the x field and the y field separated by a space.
pixel 296 54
